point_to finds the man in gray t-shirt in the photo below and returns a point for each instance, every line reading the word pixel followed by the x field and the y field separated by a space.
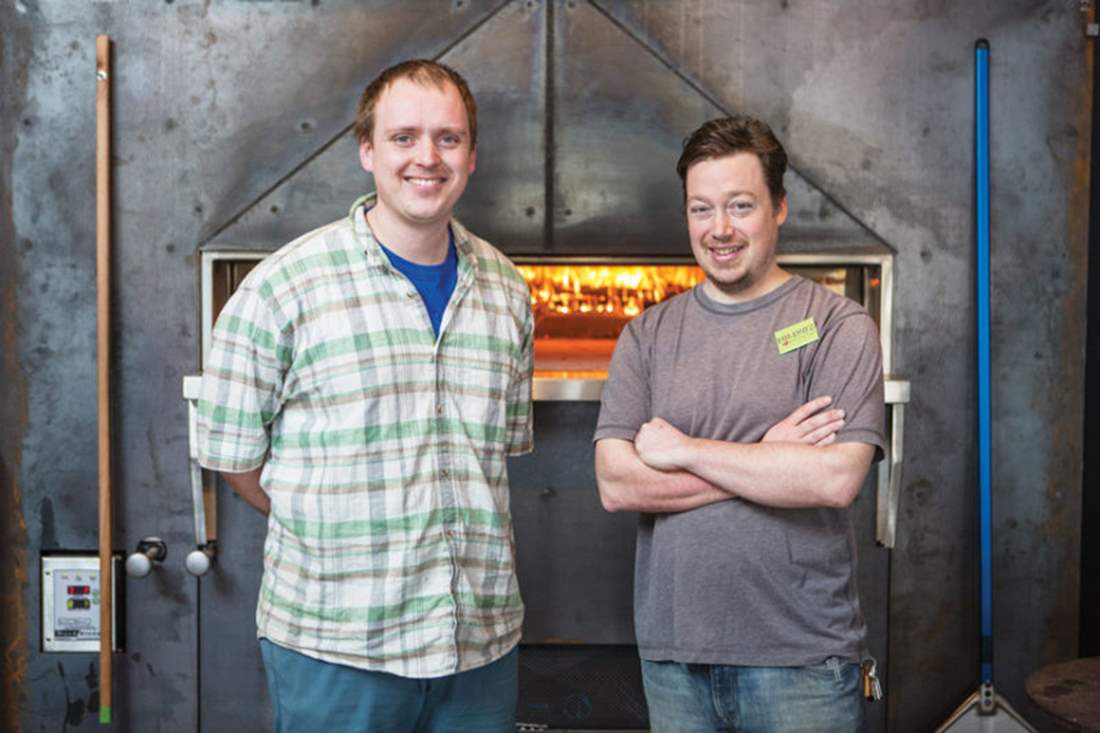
pixel 719 424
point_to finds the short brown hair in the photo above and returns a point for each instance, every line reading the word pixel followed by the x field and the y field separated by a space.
pixel 421 71
pixel 729 135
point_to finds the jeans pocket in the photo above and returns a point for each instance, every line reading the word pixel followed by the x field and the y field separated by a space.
pixel 843 675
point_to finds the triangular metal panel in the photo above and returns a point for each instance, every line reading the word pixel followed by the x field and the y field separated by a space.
pixel 321 176
pixel 739 57
pixel 505 65
pixel 619 116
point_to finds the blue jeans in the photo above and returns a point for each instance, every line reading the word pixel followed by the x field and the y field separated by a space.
pixel 311 696
pixel 685 698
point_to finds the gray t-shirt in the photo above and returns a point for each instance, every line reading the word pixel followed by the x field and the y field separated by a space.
pixel 735 582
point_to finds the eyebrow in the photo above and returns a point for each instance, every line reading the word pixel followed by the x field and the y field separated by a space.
pixel 441 130
pixel 726 194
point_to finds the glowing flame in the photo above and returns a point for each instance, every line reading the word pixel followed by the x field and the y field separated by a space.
pixel 616 292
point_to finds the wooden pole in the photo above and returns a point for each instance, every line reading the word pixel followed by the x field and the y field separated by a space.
pixel 103 359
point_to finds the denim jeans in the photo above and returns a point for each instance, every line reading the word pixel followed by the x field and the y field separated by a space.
pixel 311 696
pixel 686 698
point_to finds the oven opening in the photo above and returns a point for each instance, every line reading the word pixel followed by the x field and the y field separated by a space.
pixel 581 307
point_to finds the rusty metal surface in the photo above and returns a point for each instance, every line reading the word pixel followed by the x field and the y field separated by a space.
pixel 1070 691
pixel 14 654
pixel 218 105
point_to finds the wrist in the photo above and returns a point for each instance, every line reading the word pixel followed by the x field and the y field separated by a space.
pixel 683 453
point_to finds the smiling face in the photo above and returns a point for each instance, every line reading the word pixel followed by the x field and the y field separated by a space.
pixel 734 227
pixel 420 153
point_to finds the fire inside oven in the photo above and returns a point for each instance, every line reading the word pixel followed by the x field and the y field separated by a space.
pixel 580 308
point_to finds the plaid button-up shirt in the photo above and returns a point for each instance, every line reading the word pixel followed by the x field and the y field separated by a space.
pixel 389 543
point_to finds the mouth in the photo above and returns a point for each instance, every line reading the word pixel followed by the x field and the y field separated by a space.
pixel 425 181
pixel 726 253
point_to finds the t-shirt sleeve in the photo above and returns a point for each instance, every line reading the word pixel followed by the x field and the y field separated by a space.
pixel 520 416
pixel 848 366
pixel 241 384
pixel 625 404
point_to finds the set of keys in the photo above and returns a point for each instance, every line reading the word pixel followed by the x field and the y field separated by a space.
pixel 872 686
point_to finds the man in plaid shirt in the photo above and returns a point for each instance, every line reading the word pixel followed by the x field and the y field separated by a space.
pixel 364 387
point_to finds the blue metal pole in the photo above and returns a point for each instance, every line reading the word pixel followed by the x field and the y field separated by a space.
pixel 981 121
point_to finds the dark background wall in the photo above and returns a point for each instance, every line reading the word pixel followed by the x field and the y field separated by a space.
pixel 216 103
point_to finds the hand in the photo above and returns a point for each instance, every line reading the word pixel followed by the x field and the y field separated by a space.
pixel 660 445
pixel 810 424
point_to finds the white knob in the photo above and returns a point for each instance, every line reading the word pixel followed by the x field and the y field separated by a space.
pixel 197 563
pixel 149 550
pixel 138 565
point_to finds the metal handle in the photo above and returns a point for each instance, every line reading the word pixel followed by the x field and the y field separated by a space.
pixel 150 550
pixel 206 549
pixel 889 469
pixel 198 560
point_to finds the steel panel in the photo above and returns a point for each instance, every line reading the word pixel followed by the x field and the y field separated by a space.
pixel 504 64
pixel 576 561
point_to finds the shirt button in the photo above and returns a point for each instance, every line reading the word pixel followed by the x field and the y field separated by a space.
pixel 444 473
pixel 439 409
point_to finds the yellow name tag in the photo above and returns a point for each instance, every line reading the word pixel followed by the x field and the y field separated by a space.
pixel 796 336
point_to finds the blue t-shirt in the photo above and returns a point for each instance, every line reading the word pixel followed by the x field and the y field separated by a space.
pixel 435 283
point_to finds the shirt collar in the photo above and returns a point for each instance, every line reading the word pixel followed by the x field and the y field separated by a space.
pixel 373 252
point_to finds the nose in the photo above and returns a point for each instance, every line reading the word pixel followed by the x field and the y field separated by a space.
pixel 723 225
pixel 427 154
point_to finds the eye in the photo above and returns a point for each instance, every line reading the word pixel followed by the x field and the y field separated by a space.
pixel 699 211
pixel 403 139
pixel 741 207
pixel 450 140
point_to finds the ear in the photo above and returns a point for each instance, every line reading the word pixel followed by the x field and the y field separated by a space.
pixel 781 211
pixel 366 156
pixel 473 161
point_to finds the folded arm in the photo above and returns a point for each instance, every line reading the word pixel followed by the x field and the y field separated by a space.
pixel 779 474
pixel 627 483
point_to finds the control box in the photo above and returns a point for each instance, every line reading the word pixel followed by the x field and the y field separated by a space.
pixel 71 599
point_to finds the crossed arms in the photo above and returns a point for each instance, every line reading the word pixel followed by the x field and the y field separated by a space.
pixel 797 464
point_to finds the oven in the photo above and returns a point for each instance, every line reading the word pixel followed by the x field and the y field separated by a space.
pixel 578 663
